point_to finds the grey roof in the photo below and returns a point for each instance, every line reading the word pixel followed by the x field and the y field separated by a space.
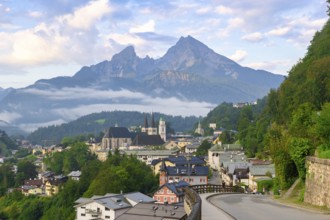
pixel 75 173
pixel 184 171
pixel 238 165
pixel 181 160
pixel 226 158
pixel 226 147
pixel 115 201
pixel 117 132
pixel 176 187
pixel 138 197
pixel 146 211
pixel 149 152
pixel 142 139
pixel 261 170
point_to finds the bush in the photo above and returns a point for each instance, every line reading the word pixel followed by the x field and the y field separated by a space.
pixel 265 185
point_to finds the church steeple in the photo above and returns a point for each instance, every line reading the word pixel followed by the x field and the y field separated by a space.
pixel 145 121
pixel 162 173
pixel 152 120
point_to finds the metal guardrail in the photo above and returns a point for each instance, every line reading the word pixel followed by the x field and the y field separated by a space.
pixel 193 202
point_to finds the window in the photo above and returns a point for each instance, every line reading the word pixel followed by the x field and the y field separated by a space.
pixel 83 207
pixel 83 214
pixel 108 217
pixel 107 209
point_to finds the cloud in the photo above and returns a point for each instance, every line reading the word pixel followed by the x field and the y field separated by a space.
pixel 274 66
pixel 239 55
pixel 223 10
pixel 69 38
pixel 35 14
pixel 83 93
pixel 279 31
pixel 147 27
pixel 253 37
pixel 9 117
pixel 85 17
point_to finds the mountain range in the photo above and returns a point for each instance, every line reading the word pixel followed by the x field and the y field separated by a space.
pixel 190 79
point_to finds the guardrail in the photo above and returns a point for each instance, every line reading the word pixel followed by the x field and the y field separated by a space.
pixel 193 202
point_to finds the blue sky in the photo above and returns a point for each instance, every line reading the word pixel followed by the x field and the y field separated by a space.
pixel 42 39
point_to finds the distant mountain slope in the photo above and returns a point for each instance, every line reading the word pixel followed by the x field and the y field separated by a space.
pixel 99 122
pixel 190 79
pixel 6 144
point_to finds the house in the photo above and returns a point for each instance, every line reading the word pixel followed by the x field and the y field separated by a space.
pixel 170 145
pixel 176 161
pixel 170 192
pixel 147 156
pixel 31 190
pixel 233 173
pixel 149 211
pixel 53 186
pixel 221 153
pixel 260 172
pixel 75 175
pixel 47 175
pixel 194 175
pixel 109 206
pixel 192 148
pixel 116 137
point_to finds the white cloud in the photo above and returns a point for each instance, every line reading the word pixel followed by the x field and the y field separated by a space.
pixel 274 66
pixel 253 37
pixel 85 17
pixel 223 10
pixel 279 31
pixel 35 14
pixel 83 93
pixel 9 117
pixel 203 10
pixel 239 55
pixel 147 27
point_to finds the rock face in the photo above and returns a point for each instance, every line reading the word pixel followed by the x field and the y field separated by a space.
pixel 317 189
pixel 188 72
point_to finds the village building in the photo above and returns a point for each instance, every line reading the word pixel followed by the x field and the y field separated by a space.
pixel 258 173
pixel 148 211
pixel 199 130
pixel 75 175
pixel 194 175
pixel 116 137
pixel 109 206
pixel 170 192
pixel 173 161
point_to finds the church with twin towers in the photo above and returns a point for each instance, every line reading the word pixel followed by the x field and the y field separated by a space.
pixel 152 128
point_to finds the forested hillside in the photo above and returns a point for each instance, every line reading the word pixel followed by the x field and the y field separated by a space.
pixel 6 144
pixel 296 120
pixel 99 122
pixel 293 121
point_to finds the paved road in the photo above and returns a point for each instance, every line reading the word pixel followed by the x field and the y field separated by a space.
pixel 255 207
pixel 211 212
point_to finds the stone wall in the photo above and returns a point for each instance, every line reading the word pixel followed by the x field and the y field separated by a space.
pixel 317 191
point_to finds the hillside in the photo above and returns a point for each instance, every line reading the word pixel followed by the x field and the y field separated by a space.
pixel 6 144
pixel 295 122
pixel 99 122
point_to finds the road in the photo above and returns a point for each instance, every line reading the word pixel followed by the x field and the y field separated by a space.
pixel 257 207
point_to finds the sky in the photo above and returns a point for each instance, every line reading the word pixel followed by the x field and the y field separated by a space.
pixel 43 39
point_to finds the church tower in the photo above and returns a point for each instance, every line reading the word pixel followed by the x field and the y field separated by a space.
pixel 162 173
pixel 152 129
pixel 162 129
pixel 146 126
